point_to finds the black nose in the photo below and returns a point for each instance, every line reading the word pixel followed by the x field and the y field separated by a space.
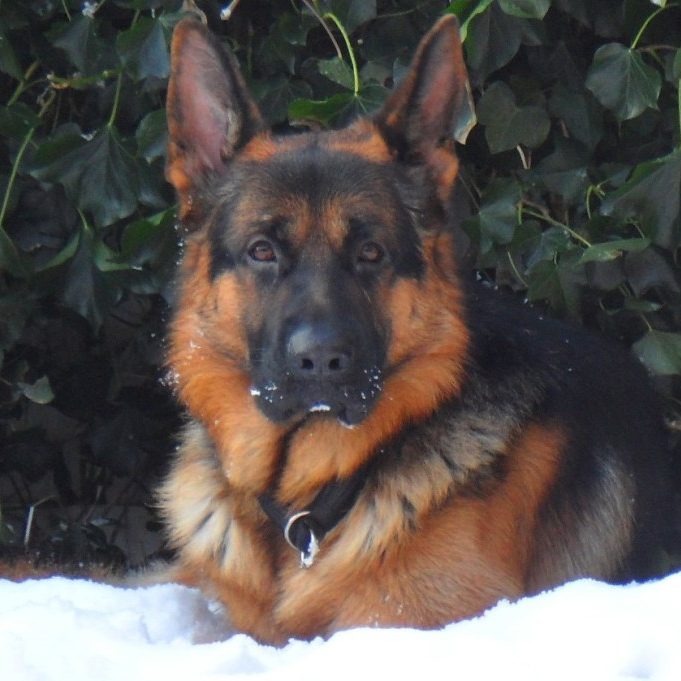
pixel 319 351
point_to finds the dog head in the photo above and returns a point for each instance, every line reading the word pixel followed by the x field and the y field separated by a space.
pixel 315 262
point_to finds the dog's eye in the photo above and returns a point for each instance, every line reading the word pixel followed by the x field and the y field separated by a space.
pixel 262 251
pixel 370 252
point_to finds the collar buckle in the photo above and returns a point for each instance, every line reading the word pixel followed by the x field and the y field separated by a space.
pixel 308 555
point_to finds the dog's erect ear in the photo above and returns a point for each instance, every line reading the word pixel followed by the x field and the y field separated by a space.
pixel 421 112
pixel 210 111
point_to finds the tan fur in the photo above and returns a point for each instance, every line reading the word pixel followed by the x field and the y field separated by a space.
pixel 361 140
pixel 207 357
pixel 374 570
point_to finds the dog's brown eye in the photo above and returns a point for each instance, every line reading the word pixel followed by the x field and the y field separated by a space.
pixel 262 251
pixel 370 252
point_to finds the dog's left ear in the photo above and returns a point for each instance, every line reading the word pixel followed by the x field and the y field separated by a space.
pixel 420 114
pixel 211 114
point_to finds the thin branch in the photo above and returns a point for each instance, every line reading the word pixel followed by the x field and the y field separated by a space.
pixel 322 21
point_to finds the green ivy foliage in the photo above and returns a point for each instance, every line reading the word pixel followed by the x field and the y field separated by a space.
pixel 571 166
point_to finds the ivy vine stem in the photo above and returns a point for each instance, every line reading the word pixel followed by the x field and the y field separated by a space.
pixel 117 97
pixel 552 221
pixel 348 46
pixel 523 158
pixel 313 9
pixel 119 83
pixel 66 9
pixel 591 190
pixel 646 322
pixel 514 267
pixel 87 230
pixel 24 83
pixel 13 174
pixel 645 25
pixel 19 157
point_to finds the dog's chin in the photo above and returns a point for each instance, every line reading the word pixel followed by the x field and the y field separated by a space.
pixel 286 399
pixel 351 416
pixel 284 409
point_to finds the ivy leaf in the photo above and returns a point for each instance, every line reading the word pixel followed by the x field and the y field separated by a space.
pixel 564 171
pixel 106 259
pixel 86 289
pixel 275 51
pixel 322 111
pixel 282 43
pixel 493 38
pixel 676 66
pixel 353 13
pixel 276 94
pixel 544 282
pixel 552 240
pixel 338 107
pixel 580 112
pixel 465 11
pixel 558 281
pixel 506 124
pixel 527 9
pixel 64 255
pixel 651 197
pixel 17 120
pixel 86 51
pixel 368 100
pixel 152 135
pixel 153 189
pixel 498 212
pixel 337 71
pixel 496 221
pixel 660 351
pixel 641 306
pixel 294 27
pixel 109 185
pixel 75 38
pixel 99 174
pixel 526 236
pixel 9 63
pixel 143 50
pixel 141 239
pixel 622 81
pixel 651 269
pixel 610 250
pixel 39 392
pixel 10 259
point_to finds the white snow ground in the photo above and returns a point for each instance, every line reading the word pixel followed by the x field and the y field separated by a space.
pixel 73 630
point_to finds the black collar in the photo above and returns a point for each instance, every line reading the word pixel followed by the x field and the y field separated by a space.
pixel 304 530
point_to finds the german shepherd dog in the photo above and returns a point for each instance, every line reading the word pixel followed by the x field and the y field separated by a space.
pixel 375 440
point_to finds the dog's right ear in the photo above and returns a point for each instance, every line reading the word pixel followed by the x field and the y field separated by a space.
pixel 420 113
pixel 211 114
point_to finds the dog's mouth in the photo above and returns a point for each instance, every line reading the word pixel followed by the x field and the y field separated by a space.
pixel 288 399
pixel 347 416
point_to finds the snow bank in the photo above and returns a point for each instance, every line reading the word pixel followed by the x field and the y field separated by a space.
pixel 74 630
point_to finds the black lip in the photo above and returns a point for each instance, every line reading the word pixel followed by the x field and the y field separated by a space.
pixel 351 418
pixel 285 399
